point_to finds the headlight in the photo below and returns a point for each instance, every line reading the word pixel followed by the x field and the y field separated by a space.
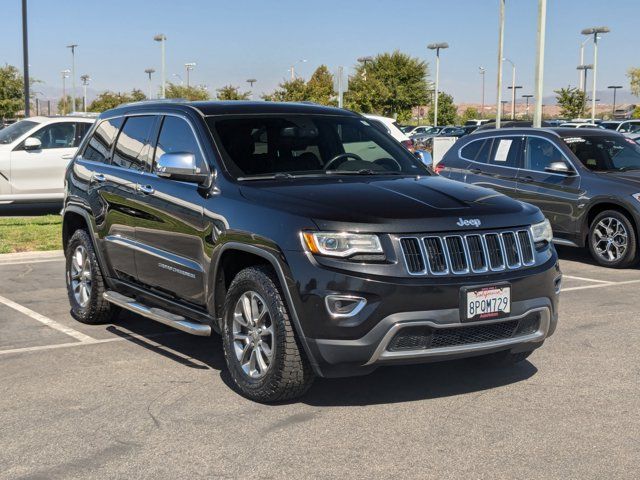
pixel 342 244
pixel 542 232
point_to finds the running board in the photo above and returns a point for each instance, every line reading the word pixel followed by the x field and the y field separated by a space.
pixel 176 321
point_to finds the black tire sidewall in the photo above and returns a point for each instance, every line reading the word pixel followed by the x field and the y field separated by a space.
pixel 630 256
pixel 82 314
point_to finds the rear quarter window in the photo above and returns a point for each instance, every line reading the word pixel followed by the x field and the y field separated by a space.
pixel 477 151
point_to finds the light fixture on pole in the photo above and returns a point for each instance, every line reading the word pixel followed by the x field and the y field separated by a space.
pixel 437 47
pixel 527 97
pixel 85 81
pixel 583 84
pixel 615 89
pixel 500 50
pixel 589 32
pixel 293 67
pixel 73 75
pixel 162 38
pixel 251 81
pixel 65 75
pixel 149 72
pixel 513 89
pixel 364 61
pixel 542 28
pixel 188 67
pixel 583 75
pixel 482 71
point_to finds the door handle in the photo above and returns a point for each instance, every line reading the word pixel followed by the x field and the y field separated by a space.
pixel 67 156
pixel 146 189
pixel 98 177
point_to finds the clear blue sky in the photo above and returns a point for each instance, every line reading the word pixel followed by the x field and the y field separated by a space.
pixel 233 41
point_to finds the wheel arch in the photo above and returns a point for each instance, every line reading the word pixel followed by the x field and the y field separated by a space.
pixel 247 255
pixel 598 208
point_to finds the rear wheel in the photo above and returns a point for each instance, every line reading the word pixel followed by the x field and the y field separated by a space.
pixel 612 240
pixel 264 357
pixel 85 284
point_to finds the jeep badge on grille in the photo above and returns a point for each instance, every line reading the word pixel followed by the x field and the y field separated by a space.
pixel 471 222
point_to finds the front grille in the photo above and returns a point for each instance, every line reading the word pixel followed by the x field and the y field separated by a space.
pixel 473 253
pixel 426 337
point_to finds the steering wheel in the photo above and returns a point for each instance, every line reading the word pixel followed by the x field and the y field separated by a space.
pixel 389 162
pixel 342 156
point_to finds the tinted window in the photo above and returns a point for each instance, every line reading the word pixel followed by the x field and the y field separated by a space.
pixel 57 135
pixel 176 136
pixel 133 149
pixel 15 131
pixel 478 151
pixel 540 153
pixel 312 145
pixel 603 153
pixel 99 146
pixel 506 152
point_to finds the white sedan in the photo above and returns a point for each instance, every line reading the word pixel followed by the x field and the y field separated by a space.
pixel 34 154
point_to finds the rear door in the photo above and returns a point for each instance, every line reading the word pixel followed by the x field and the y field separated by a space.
pixel 557 195
pixel 40 173
pixel 171 235
pixel 496 165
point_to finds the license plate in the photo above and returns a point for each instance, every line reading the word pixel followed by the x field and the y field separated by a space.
pixel 486 303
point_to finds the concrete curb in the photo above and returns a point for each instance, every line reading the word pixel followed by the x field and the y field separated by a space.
pixel 28 256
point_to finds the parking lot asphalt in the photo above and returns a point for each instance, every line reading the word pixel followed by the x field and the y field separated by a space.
pixel 138 400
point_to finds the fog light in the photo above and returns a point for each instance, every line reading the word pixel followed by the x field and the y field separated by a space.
pixel 344 305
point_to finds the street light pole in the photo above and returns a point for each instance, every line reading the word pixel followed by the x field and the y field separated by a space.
pixel 437 47
pixel 583 75
pixel 482 71
pixel 527 97
pixel 162 38
pixel 500 50
pixel 594 31
pixel 251 81
pixel 581 79
pixel 188 67
pixel 85 81
pixel 542 26
pixel 513 100
pixel 512 88
pixel 615 89
pixel 73 75
pixel 150 71
pixel 25 60
pixel 65 75
pixel 293 68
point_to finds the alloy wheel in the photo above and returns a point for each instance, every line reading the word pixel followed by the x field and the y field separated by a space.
pixel 81 276
pixel 610 239
pixel 252 335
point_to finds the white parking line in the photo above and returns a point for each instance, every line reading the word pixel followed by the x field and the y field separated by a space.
pixel 24 262
pixel 601 285
pixel 46 320
pixel 572 277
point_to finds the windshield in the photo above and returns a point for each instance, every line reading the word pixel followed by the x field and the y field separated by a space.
pixel 15 131
pixel 606 153
pixel 304 145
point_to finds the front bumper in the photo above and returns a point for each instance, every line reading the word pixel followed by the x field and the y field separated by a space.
pixel 359 344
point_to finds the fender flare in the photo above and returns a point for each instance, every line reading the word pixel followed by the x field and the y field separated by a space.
pixel 90 227
pixel 273 261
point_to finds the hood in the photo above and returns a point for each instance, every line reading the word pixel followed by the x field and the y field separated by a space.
pixel 393 205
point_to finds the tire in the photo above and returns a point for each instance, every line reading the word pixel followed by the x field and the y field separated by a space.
pixel 288 374
pixel 621 230
pixel 90 308
pixel 504 358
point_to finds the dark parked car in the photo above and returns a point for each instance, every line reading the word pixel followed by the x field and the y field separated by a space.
pixel 312 241
pixel 586 182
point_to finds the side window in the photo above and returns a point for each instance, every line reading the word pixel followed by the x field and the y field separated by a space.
pixel 133 148
pixel 477 151
pixel 176 136
pixel 98 148
pixel 540 153
pixel 506 152
pixel 57 135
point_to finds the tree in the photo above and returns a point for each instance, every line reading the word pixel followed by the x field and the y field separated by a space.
pixel 447 110
pixel 65 106
pixel 470 113
pixel 634 80
pixel 229 92
pixel 289 91
pixel 571 101
pixel 188 93
pixel 107 100
pixel 11 91
pixel 390 84
pixel 320 87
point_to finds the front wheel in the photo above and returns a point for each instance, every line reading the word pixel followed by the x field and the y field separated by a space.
pixel 265 359
pixel 612 240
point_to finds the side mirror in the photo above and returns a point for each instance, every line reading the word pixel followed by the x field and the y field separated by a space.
pixel 559 167
pixel 180 166
pixel 425 157
pixel 32 143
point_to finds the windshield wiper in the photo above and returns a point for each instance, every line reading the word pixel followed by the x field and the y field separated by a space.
pixel 363 171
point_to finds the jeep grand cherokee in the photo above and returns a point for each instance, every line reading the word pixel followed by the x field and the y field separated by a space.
pixel 310 240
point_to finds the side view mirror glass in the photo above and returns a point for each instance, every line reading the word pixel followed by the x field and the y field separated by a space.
pixel 180 166
pixel 559 167
pixel 32 143
pixel 425 157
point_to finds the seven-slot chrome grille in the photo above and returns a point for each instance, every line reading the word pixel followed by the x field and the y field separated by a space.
pixel 458 254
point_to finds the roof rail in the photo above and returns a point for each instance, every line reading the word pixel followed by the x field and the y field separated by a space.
pixel 152 100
